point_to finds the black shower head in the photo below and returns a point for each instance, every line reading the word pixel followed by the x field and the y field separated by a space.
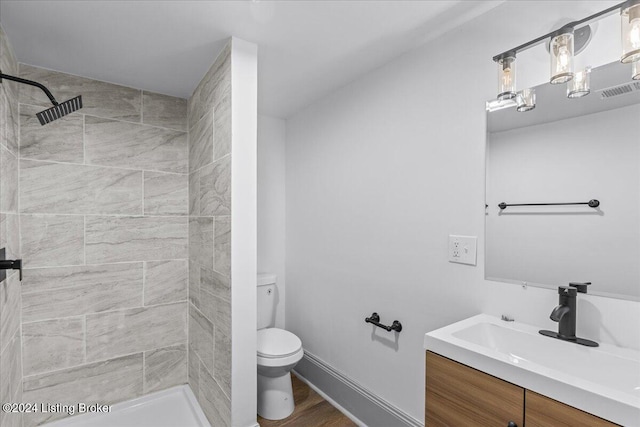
pixel 60 110
pixel 55 112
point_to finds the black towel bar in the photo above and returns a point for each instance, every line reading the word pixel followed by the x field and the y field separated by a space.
pixel 593 203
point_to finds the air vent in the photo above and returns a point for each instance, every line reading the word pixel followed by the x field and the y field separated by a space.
pixel 619 90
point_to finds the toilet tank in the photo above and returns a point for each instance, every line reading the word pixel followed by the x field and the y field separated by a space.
pixel 266 300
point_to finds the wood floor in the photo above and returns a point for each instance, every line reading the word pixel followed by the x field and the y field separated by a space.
pixel 311 410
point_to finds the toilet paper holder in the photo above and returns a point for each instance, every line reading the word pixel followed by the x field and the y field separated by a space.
pixel 375 319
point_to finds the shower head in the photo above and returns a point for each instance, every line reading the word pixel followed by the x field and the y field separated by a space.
pixel 58 110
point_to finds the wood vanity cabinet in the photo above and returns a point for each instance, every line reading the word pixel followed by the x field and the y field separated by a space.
pixel 457 395
pixel 542 411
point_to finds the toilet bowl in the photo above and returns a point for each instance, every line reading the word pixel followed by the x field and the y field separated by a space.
pixel 278 351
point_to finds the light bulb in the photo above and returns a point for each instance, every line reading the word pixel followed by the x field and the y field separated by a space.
pixel 526 100
pixel 580 85
pixel 563 59
pixel 634 33
pixel 630 33
pixel 506 78
pixel 561 51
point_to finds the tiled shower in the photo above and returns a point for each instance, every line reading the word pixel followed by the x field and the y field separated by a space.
pixel 121 214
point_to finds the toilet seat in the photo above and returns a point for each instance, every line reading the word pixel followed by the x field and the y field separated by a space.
pixel 275 343
pixel 280 362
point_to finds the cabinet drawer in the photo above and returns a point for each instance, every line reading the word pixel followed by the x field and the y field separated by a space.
pixel 457 395
pixel 542 411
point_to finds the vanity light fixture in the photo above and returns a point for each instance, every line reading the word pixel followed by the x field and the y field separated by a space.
pixel 630 25
pixel 526 100
pixel 580 85
pixel 507 77
pixel 561 51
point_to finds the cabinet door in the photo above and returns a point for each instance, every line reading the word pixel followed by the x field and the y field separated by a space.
pixel 541 411
pixel 457 395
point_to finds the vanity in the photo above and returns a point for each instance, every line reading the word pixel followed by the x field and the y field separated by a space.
pixel 562 211
pixel 487 371
pixel 562 192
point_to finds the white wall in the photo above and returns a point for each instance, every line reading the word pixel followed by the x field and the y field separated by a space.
pixel 271 205
pixel 596 156
pixel 378 175
pixel 244 113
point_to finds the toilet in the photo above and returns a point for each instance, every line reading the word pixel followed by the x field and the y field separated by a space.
pixel 278 352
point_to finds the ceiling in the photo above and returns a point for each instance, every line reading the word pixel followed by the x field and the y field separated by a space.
pixel 307 49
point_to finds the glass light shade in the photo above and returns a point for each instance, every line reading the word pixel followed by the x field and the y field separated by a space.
pixel 507 78
pixel 580 85
pixel 635 70
pixel 526 100
pixel 630 33
pixel 561 51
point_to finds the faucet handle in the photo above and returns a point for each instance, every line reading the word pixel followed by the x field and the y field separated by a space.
pixel 580 286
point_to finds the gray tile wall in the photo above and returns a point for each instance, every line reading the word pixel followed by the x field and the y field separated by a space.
pixel 103 206
pixel 209 184
pixel 10 297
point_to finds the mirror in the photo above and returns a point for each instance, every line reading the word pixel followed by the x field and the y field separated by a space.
pixel 567 150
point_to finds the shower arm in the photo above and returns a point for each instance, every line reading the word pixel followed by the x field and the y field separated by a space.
pixel 31 83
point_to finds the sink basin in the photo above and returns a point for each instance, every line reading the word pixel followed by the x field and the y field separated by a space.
pixel 604 381
pixel 614 370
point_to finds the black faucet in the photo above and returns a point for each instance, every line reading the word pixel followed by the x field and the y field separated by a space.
pixel 565 314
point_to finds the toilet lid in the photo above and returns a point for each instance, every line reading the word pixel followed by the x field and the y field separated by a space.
pixel 274 342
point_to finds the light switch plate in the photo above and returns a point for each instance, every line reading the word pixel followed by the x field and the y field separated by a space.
pixel 462 249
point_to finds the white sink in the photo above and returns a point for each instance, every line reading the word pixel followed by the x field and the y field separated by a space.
pixel 604 380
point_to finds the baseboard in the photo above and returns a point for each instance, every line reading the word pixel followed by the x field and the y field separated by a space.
pixel 361 405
